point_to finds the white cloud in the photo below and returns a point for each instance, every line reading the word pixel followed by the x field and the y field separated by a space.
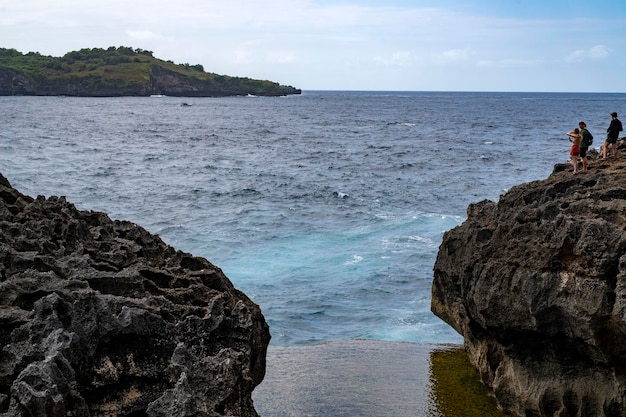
pixel 281 57
pixel 397 59
pixel 243 56
pixel 453 56
pixel 596 53
pixel 508 63
pixel 143 35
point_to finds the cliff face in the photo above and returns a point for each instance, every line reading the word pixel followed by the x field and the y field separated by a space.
pixel 536 284
pixel 13 83
pixel 99 317
pixel 170 83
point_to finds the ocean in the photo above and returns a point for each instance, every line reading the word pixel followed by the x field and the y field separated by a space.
pixel 327 209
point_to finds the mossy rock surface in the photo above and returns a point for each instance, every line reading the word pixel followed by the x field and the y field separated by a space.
pixel 456 389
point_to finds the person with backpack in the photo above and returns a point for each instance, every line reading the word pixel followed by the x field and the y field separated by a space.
pixel 612 133
pixel 585 143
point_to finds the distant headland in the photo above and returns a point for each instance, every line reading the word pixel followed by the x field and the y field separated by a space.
pixel 120 71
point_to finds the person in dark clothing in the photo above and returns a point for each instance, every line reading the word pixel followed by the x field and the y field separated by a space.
pixel 584 143
pixel 612 133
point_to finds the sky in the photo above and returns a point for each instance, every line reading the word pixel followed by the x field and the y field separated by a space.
pixel 392 45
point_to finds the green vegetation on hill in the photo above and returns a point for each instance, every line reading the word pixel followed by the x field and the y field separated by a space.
pixel 122 71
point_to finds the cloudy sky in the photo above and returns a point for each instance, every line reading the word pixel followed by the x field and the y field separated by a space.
pixel 418 45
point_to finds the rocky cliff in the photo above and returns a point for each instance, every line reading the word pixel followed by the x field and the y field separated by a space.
pixel 536 284
pixel 101 318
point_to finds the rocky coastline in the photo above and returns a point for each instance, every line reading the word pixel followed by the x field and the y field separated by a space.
pixel 100 317
pixel 536 285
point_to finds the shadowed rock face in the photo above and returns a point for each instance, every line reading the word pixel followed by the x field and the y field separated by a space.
pixel 101 318
pixel 536 284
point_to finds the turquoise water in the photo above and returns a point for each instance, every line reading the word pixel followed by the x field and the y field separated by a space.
pixel 327 209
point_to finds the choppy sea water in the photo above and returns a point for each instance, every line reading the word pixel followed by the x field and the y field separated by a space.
pixel 327 209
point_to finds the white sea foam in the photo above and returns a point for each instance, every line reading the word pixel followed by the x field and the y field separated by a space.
pixel 354 260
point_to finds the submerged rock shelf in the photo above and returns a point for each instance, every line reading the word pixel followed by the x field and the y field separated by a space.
pixel 371 378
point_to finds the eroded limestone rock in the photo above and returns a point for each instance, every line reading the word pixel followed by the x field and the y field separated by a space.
pixel 536 284
pixel 101 318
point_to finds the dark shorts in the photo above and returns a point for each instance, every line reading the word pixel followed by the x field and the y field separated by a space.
pixel 583 152
pixel 611 140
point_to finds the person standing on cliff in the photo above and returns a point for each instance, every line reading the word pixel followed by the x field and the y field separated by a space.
pixel 612 133
pixel 584 143
pixel 575 138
